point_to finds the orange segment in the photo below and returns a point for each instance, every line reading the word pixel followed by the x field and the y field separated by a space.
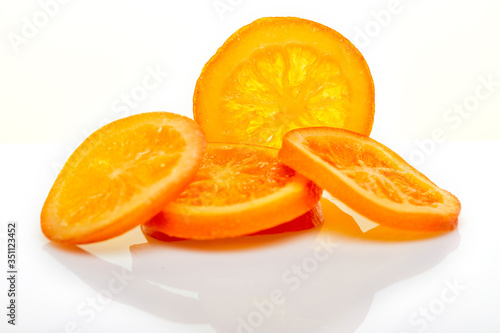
pixel 121 176
pixel 308 220
pixel 282 73
pixel 370 179
pixel 238 190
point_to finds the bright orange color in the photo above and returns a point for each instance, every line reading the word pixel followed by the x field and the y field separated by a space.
pixel 370 179
pixel 238 190
pixel 121 176
pixel 308 220
pixel 281 73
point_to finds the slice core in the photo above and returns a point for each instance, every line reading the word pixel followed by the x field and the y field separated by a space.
pixel 283 87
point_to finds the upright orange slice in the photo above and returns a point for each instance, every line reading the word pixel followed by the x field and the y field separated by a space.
pixel 238 190
pixel 281 73
pixel 370 179
pixel 121 176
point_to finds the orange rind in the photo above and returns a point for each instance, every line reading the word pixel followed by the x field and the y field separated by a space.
pixel 306 221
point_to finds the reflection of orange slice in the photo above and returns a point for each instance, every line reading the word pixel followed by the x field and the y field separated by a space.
pixel 282 73
pixel 238 190
pixel 308 220
pixel 121 176
pixel 370 179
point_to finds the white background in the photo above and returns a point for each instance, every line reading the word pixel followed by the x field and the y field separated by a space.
pixel 65 78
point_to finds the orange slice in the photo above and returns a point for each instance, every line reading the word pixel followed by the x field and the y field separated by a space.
pixel 121 176
pixel 308 220
pixel 370 179
pixel 238 190
pixel 281 73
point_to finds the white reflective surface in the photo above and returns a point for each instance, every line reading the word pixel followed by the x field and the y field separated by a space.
pixel 314 281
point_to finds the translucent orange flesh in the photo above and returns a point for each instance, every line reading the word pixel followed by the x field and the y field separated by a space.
pixel 238 190
pixel 370 178
pixel 283 87
pixel 230 175
pixel 119 172
pixel 121 176
pixel 282 73
pixel 384 178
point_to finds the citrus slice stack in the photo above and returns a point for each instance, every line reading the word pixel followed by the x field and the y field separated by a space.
pixel 370 179
pixel 238 190
pixel 279 82
pixel 121 176
pixel 281 73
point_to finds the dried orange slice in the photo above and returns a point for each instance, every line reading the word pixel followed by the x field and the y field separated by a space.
pixel 370 178
pixel 121 176
pixel 308 220
pixel 238 190
pixel 282 73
